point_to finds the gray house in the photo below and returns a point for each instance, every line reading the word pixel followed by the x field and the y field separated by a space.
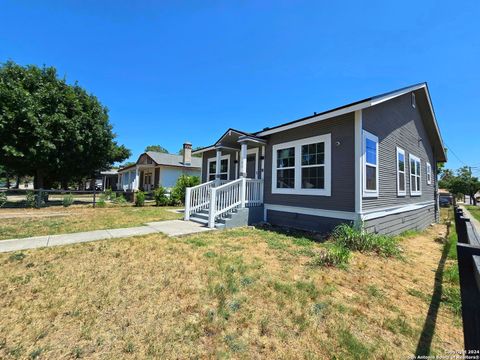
pixel 371 162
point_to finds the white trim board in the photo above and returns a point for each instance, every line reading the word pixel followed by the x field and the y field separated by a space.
pixel 378 213
pixel 214 159
pixel 335 214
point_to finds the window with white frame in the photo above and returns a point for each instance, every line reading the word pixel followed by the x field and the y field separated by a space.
pixel 429 174
pixel 370 165
pixel 415 176
pixel 302 167
pixel 224 166
pixel 401 177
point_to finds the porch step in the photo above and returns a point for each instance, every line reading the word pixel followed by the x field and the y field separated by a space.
pixel 234 218
pixel 202 218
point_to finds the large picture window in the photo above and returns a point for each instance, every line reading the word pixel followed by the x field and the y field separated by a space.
pixel 415 176
pixel 302 167
pixel 224 166
pixel 401 177
pixel 370 165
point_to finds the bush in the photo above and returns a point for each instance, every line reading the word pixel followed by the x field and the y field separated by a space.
pixel 109 194
pixel 101 203
pixel 160 196
pixel 357 240
pixel 67 200
pixel 179 190
pixel 140 199
pixel 3 199
pixel 31 199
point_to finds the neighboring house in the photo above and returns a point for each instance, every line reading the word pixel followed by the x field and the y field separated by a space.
pixel 109 179
pixel 154 169
pixel 371 162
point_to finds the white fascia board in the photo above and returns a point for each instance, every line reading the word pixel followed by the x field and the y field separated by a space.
pixel 378 213
pixel 315 119
pixel 200 151
pixel 335 214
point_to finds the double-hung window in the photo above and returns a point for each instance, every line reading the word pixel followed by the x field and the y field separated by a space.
pixel 429 174
pixel 401 178
pixel 415 176
pixel 370 165
pixel 224 165
pixel 302 167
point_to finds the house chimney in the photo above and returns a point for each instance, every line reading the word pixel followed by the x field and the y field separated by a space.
pixel 187 153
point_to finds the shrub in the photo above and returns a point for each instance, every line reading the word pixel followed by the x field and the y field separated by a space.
pixel 355 239
pixel 67 200
pixel 140 199
pixel 31 199
pixel 334 255
pixel 3 198
pixel 101 202
pixel 160 196
pixel 179 190
pixel 109 194
pixel 119 199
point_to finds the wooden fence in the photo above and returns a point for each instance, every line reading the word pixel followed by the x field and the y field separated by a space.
pixel 468 251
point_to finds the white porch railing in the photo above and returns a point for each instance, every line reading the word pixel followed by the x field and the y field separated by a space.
pixel 254 192
pixel 220 200
pixel 197 198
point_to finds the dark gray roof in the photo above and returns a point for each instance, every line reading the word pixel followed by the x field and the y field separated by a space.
pixel 173 160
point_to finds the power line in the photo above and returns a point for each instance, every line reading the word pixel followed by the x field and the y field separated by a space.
pixel 453 152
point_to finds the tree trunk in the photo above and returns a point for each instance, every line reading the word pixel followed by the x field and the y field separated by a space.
pixel 17 182
pixel 38 180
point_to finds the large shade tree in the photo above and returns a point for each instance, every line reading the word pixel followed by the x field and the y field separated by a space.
pixel 52 130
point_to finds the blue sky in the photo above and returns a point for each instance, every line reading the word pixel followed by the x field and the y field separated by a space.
pixel 175 71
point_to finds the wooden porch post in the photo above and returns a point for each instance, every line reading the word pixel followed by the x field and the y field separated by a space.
pixel 243 160
pixel 218 165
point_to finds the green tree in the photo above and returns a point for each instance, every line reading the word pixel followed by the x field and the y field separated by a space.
pixel 464 183
pixel 156 148
pixel 52 130
pixel 446 177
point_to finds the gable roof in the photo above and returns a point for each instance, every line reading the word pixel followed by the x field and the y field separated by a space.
pixel 167 160
pixel 434 131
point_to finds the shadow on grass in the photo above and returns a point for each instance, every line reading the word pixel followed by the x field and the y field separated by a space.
pixel 425 342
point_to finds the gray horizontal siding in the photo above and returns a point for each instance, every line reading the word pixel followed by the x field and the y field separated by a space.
pixel 342 196
pixel 398 223
pixel 397 123
pixel 303 222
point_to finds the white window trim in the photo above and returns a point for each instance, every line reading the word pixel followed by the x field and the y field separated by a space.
pixel 297 144
pixel 429 174
pixel 369 193
pixel 214 159
pixel 415 158
pixel 404 191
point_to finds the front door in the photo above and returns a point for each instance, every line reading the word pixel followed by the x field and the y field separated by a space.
pixel 147 184
pixel 251 170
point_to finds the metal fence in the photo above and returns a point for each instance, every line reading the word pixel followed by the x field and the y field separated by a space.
pixel 37 198
pixel 468 254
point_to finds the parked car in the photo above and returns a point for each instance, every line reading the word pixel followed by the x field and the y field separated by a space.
pixel 445 201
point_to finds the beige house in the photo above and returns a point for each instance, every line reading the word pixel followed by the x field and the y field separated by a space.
pixel 154 169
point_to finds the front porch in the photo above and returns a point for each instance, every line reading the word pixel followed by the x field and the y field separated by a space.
pixel 232 181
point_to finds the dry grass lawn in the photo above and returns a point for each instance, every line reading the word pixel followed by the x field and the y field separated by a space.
pixel 60 220
pixel 242 293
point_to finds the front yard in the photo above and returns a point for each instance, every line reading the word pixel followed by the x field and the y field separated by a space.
pixel 18 223
pixel 475 211
pixel 242 293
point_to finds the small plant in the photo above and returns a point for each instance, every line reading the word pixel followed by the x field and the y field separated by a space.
pixel 67 200
pixel 109 194
pixel 140 199
pixel 119 200
pixel 160 196
pixel 334 255
pixel 357 240
pixel 3 198
pixel 18 256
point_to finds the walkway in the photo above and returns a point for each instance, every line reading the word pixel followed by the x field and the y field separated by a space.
pixel 169 228
pixel 474 221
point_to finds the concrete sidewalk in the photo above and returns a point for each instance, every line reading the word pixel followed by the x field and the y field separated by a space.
pixel 169 228
pixel 473 220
